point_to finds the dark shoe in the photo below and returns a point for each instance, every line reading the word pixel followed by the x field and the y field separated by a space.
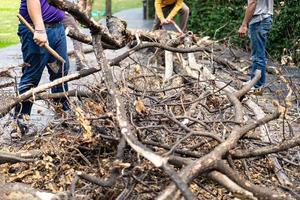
pixel 257 91
pixel 12 129
pixel 254 90
pixel 19 128
pixel 23 126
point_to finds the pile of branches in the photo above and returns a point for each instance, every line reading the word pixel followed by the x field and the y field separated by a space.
pixel 141 133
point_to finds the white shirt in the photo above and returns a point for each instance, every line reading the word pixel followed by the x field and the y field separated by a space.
pixel 264 9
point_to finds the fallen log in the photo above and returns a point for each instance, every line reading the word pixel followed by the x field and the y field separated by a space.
pixel 284 146
pixel 20 191
pixel 6 157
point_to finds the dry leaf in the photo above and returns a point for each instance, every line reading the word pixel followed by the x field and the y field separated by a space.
pixel 96 108
pixel 120 164
pixel 140 106
pixel 20 176
pixel 281 109
pixel 87 135
pixel 137 69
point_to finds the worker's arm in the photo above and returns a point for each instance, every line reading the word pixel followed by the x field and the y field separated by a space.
pixel 158 10
pixel 248 16
pixel 175 10
pixel 35 13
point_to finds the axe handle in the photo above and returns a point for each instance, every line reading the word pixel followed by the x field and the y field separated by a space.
pixel 177 27
pixel 46 46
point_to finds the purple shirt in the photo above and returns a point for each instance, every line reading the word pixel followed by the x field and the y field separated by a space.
pixel 50 14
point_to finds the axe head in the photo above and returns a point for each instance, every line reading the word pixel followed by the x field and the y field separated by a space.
pixel 169 27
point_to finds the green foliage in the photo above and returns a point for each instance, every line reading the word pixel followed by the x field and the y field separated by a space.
pixel 285 36
pixel 220 19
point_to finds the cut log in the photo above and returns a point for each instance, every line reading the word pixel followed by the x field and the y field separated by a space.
pixel 168 65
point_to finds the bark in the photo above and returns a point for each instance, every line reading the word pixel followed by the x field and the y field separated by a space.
pixel 117 28
pixel 237 190
pixel 284 146
pixel 169 65
pixel 18 191
pixel 12 158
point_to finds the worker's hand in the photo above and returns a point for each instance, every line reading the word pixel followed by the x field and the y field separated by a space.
pixel 165 21
pixel 40 38
pixel 243 31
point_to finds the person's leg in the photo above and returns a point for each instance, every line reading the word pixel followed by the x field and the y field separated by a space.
pixel 57 40
pixel 36 58
pixel 254 47
pixel 258 36
pixel 184 16
pixel 80 60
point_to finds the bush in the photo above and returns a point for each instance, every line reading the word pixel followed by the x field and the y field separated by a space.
pixel 285 36
pixel 220 19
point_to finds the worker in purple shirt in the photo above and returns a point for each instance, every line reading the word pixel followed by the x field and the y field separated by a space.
pixel 47 23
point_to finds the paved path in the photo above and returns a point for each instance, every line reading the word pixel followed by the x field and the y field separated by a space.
pixel 11 56
pixel 134 19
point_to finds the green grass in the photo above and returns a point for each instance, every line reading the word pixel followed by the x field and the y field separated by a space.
pixel 9 21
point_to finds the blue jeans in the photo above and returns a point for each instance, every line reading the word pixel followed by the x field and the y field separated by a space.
pixel 38 58
pixel 258 34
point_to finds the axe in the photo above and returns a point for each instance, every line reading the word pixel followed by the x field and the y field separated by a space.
pixel 54 67
pixel 177 27
pixel 171 26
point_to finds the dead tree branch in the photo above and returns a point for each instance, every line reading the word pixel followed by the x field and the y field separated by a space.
pixel 125 128
pixel 14 158
pixel 284 146
pixel 258 191
pixel 84 19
